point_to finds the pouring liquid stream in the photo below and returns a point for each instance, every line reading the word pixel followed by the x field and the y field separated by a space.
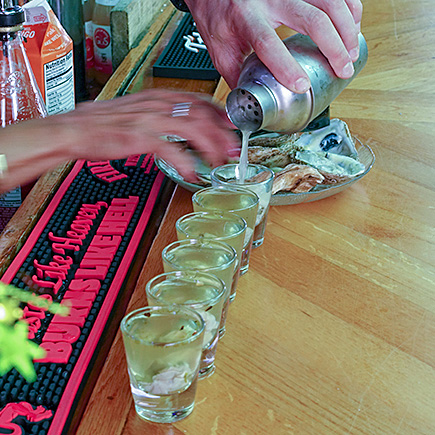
pixel 242 167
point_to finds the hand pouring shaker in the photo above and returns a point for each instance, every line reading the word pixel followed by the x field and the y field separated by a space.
pixel 261 102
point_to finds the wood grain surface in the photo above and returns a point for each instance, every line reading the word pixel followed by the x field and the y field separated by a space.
pixel 129 20
pixel 333 327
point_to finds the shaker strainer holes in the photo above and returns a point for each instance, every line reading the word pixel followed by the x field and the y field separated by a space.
pixel 242 92
pixel 249 107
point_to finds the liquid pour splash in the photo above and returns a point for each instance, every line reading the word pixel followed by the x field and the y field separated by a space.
pixel 242 167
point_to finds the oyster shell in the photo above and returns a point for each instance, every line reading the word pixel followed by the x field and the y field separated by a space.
pixel 330 163
pixel 296 178
pixel 330 150
pixel 273 152
pixel 271 156
pixel 274 141
pixel 334 138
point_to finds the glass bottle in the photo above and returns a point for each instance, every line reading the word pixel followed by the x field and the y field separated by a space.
pixel 88 10
pixel 103 67
pixel 70 14
pixel 20 98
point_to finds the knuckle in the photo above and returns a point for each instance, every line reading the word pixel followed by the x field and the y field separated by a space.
pixel 317 19
pixel 334 4
pixel 338 57
pixel 263 42
pixel 356 8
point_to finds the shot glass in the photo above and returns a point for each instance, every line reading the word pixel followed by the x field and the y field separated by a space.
pixel 259 180
pixel 163 346
pixel 220 226
pixel 242 202
pixel 204 293
pixel 217 258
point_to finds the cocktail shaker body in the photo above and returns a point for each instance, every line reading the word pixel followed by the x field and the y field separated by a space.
pixel 261 102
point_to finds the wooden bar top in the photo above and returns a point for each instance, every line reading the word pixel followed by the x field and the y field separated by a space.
pixel 333 328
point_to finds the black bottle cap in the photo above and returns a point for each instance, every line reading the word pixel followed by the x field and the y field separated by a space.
pixel 12 17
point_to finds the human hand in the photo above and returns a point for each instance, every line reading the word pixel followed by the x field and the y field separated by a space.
pixel 115 129
pixel 137 123
pixel 233 28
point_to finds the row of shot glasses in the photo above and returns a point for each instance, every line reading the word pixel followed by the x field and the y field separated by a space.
pixel 172 342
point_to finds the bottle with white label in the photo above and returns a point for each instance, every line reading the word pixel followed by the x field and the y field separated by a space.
pixel 70 14
pixel 102 40
pixel 20 98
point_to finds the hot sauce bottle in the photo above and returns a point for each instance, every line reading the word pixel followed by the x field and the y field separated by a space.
pixel 102 40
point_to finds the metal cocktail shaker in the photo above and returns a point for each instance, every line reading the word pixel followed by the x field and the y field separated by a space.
pixel 261 102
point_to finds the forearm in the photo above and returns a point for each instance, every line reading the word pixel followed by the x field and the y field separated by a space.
pixel 115 129
pixel 31 149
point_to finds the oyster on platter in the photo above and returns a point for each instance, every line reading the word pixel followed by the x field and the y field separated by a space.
pixel 296 178
pixel 308 166
pixel 303 161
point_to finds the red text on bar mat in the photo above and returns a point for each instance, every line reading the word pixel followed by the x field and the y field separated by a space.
pixel 78 254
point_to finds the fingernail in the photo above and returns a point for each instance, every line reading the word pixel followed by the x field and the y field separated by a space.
pixel 302 85
pixel 354 53
pixel 348 70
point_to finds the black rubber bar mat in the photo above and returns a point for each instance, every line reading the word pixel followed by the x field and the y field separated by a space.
pixel 78 254
pixel 185 55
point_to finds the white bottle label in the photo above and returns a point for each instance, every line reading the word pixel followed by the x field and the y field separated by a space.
pixel 89 29
pixel 103 49
pixel 59 84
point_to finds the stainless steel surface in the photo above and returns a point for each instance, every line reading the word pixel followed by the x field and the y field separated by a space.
pixel 261 102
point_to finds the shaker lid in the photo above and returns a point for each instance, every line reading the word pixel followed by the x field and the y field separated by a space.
pixel 11 17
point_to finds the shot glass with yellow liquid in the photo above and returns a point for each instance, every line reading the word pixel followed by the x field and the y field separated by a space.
pixel 217 258
pixel 235 200
pixel 163 346
pixel 219 226
pixel 201 291
pixel 258 179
